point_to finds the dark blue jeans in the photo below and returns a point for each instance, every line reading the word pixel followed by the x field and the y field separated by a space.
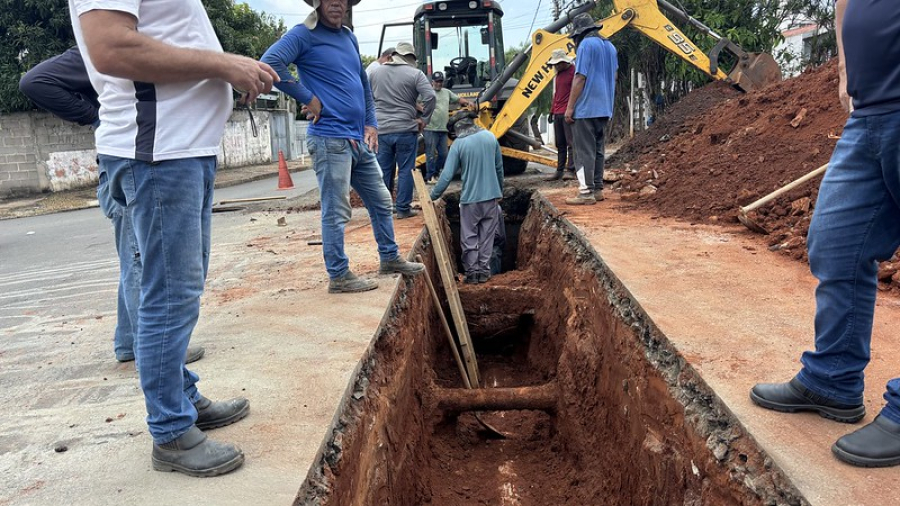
pixel 130 271
pixel 399 150
pixel 435 153
pixel 340 165
pixel 170 205
pixel 856 223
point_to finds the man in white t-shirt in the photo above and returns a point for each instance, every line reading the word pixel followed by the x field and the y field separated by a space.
pixel 164 87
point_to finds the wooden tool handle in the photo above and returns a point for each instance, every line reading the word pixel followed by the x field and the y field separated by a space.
pixel 784 189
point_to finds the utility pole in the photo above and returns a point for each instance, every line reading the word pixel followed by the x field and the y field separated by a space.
pixel 556 9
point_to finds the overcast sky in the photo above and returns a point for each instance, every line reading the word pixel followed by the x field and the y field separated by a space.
pixel 369 15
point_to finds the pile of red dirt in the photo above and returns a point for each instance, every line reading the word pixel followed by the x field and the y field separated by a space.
pixel 719 155
pixel 674 121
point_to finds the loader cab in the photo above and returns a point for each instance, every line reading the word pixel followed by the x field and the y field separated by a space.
pixel 464 40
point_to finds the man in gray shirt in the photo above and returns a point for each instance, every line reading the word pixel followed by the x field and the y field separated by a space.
pixel 396 87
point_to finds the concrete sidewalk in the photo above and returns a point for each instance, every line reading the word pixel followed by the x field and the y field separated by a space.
pixel 272 333
pixel 70 200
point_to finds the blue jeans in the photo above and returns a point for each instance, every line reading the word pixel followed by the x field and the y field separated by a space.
pixel 400 150
pixel 170 206
pixel 435 153
pixel 856 223
pixel 340 164
pixel 130 269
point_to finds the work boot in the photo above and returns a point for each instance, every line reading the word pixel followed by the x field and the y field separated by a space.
pixel 194 353
pixel 598 196
pixel 793 396
pixel 569 175
pixel 349 283
pixel 399 265
pixel 471 278
pixel 195 455
pixel 402 215
pixel 582 200
pixel 483 277
pixel 875 445
pixel 556 176
pixel 212 415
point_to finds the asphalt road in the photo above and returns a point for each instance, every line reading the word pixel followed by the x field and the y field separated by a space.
pixel 58 265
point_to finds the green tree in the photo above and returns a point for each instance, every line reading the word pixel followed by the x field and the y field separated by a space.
pixel 30 32
pixel 241 30
pixel 33 30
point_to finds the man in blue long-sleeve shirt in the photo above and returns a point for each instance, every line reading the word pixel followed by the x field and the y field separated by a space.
pixel 343 137
pixel 61 86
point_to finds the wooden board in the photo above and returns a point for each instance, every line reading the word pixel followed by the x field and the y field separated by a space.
pixel 442 255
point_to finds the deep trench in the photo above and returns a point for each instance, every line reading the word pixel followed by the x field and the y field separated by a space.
pixel 633 423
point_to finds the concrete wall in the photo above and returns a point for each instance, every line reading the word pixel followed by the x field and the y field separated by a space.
pixel 41 153
pixel 239 147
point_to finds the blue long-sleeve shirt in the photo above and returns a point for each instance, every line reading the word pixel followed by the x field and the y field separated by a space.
pixel 330 68
pixel 479 157
pixel 60 85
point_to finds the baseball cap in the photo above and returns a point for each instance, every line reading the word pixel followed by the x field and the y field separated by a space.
pixel 437 76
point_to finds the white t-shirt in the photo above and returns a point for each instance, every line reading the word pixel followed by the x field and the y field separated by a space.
pixel 153 122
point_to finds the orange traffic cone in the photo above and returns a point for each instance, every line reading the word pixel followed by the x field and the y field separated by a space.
pixel 284 177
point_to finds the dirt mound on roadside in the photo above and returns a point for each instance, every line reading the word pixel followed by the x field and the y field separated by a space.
pixel 740 150
pixel 674 121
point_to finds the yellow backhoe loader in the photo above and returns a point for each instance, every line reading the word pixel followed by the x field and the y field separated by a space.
pixel 463 38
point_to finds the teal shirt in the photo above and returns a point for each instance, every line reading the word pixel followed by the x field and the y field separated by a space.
pixel 478 156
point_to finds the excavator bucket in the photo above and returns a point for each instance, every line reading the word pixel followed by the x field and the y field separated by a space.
pixel 755 71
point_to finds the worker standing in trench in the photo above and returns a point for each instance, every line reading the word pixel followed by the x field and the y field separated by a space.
pixel 61 86
pixel 856 223
pixel 343 137
pixel 476 153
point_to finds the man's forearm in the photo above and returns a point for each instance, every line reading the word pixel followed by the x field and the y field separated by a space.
pixel 119 50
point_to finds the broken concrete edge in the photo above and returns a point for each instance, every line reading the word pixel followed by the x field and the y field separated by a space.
pixel 732 446
pixel 709 415
pixel 315 487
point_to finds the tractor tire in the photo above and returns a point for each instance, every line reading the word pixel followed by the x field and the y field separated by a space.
pixel 514 166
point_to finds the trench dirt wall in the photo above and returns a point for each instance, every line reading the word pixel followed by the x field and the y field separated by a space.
pixel 634 423
pixel 628 395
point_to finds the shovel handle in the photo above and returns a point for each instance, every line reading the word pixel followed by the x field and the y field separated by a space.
pixel 784 189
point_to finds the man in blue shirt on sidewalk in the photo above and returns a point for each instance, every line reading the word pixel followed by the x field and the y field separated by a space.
pixel 476 153
pixel 856 224
pixel 590 106
pixel 343 137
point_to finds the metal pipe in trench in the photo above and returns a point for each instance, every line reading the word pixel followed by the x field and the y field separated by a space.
pixel 543 397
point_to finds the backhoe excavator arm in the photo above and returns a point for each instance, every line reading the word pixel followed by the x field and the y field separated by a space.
pixel 643 15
